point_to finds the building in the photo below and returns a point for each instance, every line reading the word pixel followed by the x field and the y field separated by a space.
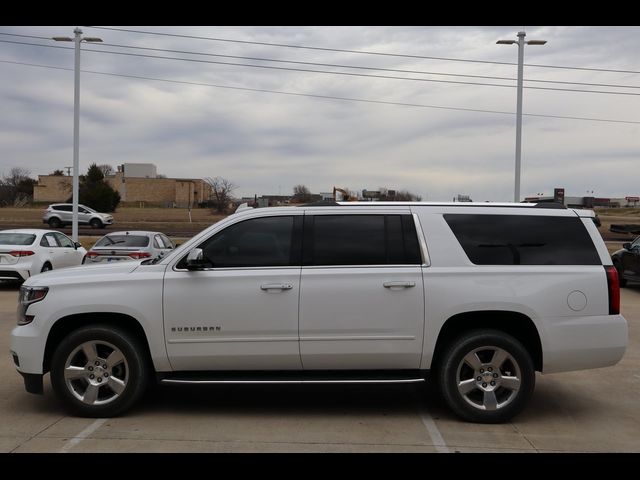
pixel 138 186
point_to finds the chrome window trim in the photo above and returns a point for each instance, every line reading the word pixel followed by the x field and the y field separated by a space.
pixel 426 261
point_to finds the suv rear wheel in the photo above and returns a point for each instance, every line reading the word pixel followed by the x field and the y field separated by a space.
pixel 99 371
pixel 54 222
pixel 486 376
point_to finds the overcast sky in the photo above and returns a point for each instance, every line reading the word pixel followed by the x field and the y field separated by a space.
pixel 268 142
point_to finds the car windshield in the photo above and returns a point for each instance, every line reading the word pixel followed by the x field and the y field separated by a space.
pixel 16 238
pixel 123 241
pixel 89 209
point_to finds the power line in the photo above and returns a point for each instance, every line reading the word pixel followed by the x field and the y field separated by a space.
pixel 325 97
pixel 306 70
pixel 364 52
pixel 359 67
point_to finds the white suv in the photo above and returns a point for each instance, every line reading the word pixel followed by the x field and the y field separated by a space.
pixel 61 214
pixel 476 297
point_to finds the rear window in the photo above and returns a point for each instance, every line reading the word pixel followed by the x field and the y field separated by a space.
pixel 523 240
pixel 16 238
pixel 123 241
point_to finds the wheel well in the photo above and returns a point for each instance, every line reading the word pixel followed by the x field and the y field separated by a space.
pixel 515 324
pixel 68 324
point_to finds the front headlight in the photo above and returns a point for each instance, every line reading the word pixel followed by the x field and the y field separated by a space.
pixel 26 297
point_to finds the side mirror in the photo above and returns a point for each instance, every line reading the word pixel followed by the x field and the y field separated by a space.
pixel 76 245
pixel 195 259
pixel 626 246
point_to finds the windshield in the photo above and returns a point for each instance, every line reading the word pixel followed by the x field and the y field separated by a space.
pixel 16 238
pixel 123 241
pixel 89 209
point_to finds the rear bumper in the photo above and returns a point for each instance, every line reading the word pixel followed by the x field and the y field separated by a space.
pixel 8 273
pixel 578 343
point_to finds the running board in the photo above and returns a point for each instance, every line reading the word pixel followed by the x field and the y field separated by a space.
pixel 293 378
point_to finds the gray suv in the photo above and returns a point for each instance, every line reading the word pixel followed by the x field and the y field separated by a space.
pixel 61 214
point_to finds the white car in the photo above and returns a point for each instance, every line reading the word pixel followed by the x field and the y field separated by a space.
pixel 129 245
pixel 26 252
pixel 475 297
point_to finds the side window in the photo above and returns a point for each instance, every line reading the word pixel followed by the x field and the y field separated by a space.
pixel 82 210
pixel 258 242
pixel 63 208
pixel 64 241
pixel 157 242
pixel 50 240
pixel 361 240
pixel 167 241
pixel 523 239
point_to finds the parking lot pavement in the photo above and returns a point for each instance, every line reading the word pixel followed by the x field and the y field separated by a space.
pixel 592 410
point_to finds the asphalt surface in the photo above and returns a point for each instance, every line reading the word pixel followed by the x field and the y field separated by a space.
pixel 586 411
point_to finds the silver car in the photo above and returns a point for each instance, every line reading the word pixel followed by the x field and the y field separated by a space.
pixel 129 245
pixel 61 214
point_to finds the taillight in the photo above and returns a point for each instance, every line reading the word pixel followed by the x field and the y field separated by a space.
pixel 139 255
pixel 613 286
pixel 92 254
pixel 21 253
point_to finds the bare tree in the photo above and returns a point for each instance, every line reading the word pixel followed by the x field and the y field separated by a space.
pixel 301 194
pixel 57 173
pixel 106 169
pixel 17 186
pixel 221 189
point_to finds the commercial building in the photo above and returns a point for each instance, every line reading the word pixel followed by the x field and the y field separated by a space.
pixel 138 185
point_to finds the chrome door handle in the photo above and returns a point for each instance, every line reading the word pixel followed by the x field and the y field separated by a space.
pixel 276 286
pixel 399 284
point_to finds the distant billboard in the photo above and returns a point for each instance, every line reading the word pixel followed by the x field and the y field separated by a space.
pixel 558 195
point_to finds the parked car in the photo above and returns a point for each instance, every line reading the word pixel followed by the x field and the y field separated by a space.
pixel 129 245
pixel 627 262
pixel 25 252
pixel 476 297
pixel 61 214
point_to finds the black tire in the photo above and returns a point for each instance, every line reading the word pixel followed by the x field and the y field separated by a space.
pixel 54 222
pixel 132 372
pixel 623 281
pixel 96 223
pixel 46 267
pixel 472 406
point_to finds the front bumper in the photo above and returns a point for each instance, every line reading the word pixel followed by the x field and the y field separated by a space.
pixel 28 344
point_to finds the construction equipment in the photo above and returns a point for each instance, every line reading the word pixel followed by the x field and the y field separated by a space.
pixel 346 196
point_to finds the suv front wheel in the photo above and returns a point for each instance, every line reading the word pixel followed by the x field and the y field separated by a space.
pixel 99 371
pixel 96 223
pixel 486 376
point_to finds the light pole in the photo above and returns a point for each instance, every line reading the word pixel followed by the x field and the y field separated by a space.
pixel 76 123
pixel 520 42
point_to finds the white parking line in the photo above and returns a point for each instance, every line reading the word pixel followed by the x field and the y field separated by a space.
pixel 434 433
pixel 83 434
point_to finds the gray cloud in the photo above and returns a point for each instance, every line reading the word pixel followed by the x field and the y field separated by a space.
pixel 266 143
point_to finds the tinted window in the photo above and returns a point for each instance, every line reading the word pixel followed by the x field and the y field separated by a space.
pixel 361 240
pixel 259 242
pixel 167 241
pixel 49 241
pixel 16 238
pixel 158 242
pixel 62 208
pixel 123 241
pixel 64 241
pixel 523 240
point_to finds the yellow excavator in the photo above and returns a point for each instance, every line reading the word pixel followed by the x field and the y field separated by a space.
pixel 346 196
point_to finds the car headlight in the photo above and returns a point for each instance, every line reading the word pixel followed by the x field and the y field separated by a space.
pixel 26 297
